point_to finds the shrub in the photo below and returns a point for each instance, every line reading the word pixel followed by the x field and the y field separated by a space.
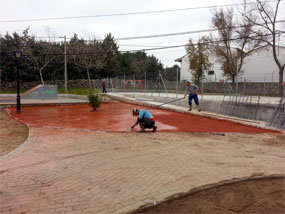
pixel 94 100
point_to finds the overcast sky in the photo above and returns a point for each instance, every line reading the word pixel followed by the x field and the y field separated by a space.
pixel 119 26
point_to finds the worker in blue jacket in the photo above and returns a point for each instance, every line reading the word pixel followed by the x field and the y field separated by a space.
pixel 145 120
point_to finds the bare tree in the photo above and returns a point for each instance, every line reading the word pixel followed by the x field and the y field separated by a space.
pixel 233 43
pixel 264 19
pixel 40 53
pixel 86 55
pixel 42 57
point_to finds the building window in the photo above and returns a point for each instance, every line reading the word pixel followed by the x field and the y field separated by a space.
pixel 211 72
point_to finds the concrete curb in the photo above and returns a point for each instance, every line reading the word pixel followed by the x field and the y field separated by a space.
pixel 74 96
pixel 31 139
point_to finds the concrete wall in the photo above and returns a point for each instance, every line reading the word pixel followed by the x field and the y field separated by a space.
pixel 240 106
pixel 248 88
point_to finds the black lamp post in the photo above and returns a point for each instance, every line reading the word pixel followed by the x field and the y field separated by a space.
pixel 18 56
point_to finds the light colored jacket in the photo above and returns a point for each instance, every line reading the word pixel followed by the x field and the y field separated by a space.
pixel 191 89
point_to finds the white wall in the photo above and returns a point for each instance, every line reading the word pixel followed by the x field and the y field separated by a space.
pixel 185 73
pixel 216 67
pixel 258 67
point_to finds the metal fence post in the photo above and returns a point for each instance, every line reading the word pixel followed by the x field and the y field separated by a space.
pixel 202 81
pixel 177 81
pixel 145 82
pixel 264 86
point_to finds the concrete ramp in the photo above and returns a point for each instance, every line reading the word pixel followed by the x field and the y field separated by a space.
pixel 41 92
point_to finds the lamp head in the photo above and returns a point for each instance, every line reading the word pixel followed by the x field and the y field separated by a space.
pixel 18 53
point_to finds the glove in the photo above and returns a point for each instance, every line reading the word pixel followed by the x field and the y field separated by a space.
pixel 196 92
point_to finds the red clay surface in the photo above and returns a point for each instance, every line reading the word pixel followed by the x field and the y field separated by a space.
pixel 117 117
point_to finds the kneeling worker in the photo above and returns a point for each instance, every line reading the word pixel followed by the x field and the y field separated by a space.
pixel 145 119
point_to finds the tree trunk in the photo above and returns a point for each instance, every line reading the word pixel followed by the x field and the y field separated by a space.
pixel 233 84
pixel 89 80
pixel 41 75
pixel 281 73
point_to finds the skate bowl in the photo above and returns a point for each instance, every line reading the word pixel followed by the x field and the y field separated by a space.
pixel 117 117
pixel 264 194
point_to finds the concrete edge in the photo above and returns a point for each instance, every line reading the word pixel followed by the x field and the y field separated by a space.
pixel 40 104
pixel 31 135
pixel 30 139
pixel 195 190
pixel 74 96
pixel 255 124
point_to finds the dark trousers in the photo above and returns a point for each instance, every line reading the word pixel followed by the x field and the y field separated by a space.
pixel 146 123
pixel 104 90
pixel 195 97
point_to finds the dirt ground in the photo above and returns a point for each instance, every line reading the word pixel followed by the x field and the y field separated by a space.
pixel 255 196
pixel 12 134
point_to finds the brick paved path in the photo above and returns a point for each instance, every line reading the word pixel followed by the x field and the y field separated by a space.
pixel 73 171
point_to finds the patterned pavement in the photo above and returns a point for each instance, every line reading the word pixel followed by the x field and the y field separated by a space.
pixel 74 171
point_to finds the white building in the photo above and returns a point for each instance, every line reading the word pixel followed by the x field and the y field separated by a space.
pixel 258 67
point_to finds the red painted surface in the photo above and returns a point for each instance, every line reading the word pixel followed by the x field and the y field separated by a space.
pixel 117 117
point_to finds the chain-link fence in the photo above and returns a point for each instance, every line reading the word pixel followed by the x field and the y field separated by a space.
pixel 155 83
pixel 242 99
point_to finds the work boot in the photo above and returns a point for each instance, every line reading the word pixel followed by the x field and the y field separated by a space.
pixel 190 108
pixel 154 128
pixel 199 109
pixel 142 129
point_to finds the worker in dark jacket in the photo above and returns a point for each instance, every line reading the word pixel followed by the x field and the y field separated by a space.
pixel 104 86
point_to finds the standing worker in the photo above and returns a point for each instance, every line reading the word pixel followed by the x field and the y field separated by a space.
pixel 192 91
pixel 104 86
pixel 145 120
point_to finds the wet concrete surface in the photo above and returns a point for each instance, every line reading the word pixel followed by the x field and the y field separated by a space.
pixel 117 117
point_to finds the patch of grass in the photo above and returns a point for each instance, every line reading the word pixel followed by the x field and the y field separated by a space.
pixel 77 91
pixel 11 91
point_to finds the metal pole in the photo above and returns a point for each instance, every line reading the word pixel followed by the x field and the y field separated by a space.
pixel 202 80
pixel 164 85
pixel 145 82
pixel 65 65
pixel 177 81
pixel 124 83
pixel 159 84
pixel 134 84
pixel 264 86
pixel 18 88
pixel 237 79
